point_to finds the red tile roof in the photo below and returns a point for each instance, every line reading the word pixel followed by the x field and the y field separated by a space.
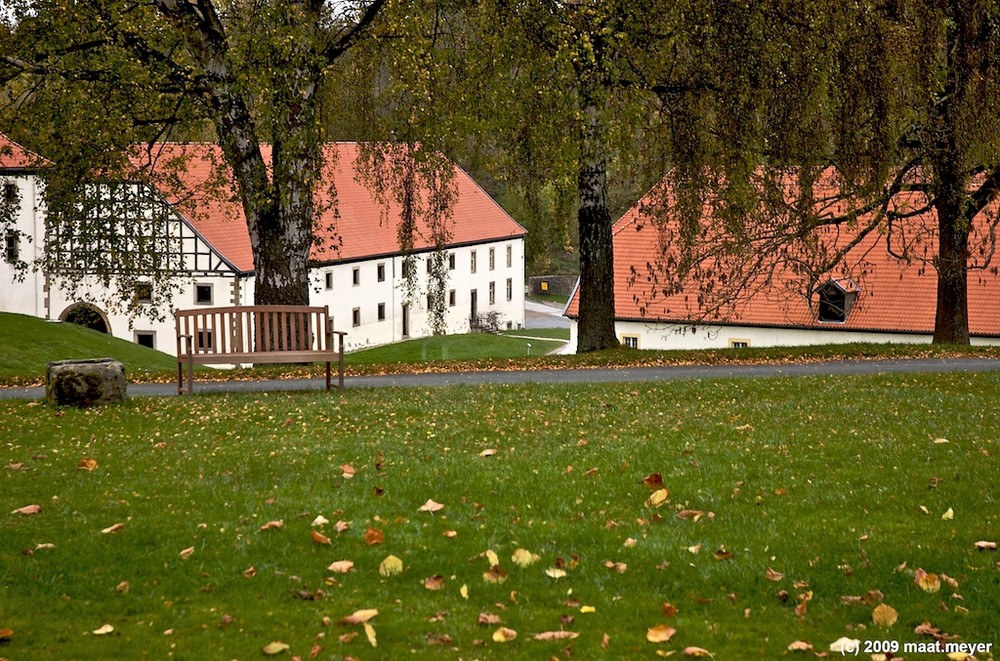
pixel 892 295
pixel 190 177
pixel 15 157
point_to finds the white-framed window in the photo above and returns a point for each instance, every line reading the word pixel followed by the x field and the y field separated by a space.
pixel 630 341
pixel 145 339
pixel 381 272
pixel 12 247
pixel 328 276
pixel 510 256
pixel 493 259
pixel 472 261
pixel 356 316
pixel 356 276
pixel 510 289
pixel 204 294
pixel 451 261
pixel 493 293
pixel 451 298
pixel 381 311
pixel 738 343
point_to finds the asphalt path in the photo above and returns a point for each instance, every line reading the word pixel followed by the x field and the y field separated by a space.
pixel 581 375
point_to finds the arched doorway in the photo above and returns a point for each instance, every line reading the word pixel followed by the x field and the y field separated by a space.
pixel 85 314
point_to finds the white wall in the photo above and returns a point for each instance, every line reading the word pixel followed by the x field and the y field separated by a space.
pixel 25 296
pixel 659 336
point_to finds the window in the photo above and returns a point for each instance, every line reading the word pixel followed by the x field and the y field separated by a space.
pixel 356 316
pixel 451 261
pixel 835 302
pixel 143 294
pixel 381 312
pixel 451 298
pixel 630 341
pixel 329 280
pixel 381 272
pixel 430 302
pixel 430 264
pixel 203 294
pixel 510 256
pixel 739 344
pixel 472 261
pixel 510 289
pixel 146 339
pixel 12 249
pixel 407 265
pixel 356 276
pixel 493 259
pixel 493 293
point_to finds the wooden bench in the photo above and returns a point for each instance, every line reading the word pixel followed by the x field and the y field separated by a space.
pixel 256 334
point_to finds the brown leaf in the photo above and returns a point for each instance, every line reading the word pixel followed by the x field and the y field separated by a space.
pixel 435 582
pixel 504 635
pixel 87 465
pixel 495 575
pixel 186 553
pixel 653 481
pixel 28 509
pixel 657 498
pixel 556 635
pixel 986 546
pixel 112 529
pixel 693 515
pixel 669 610
pixel 341 566
pixel 489 619
pixel 696 651
pixel 347 471
pixel 800 646
pixel 6 635
pixel 272 525
pixel 374 536
pixel 723 554
pixel 605 642
pixel 319 537
pixel 927 582
pixel 617 567
pixel 772 575
pixel 341 526
pixel 661 633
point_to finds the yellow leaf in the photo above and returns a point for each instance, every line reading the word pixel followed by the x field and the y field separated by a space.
pixel 489 452
pixel 464 591
pixel 884 615
pixel 657 498
pixel 113 529
pixel 275 648
pixel 948 515
pixel 524 558
pixel 555 572
pixel 927 582
pixel 186 553
pixel 87 465
pixel 661 633
pixel 370 633
pixel 493 558
pixel 504 635
pixel 391 566
pixel 319 521
pixel 360 616
pixel 587 609
pixel 104 630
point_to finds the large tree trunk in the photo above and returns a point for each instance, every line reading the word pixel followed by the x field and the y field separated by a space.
pixel 951 321
pixel 596 320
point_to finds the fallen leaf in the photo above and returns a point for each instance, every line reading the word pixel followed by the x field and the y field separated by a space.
pixel 87 465
pixel 556 635
pixel 341 526
pixel 555 572
pixel 657 498
pixel 696 549
pixel 723 554
pixel 272 525
pixel 319 521
pixel 435 582
pixel 605 642
pixel 374 536
pixel 347 637
pixel 359 616
pixel 884 615
pixel 186 553
pixel 696 651
pixel 347 471
pixel 800 646
pixel 28 509
pixel 464 591
pixel 431 506
pixel 772 575
pixel 492 557
pixel 669 610
pixel 113 529
pixel 123 587
pixel 524 558
pixel 653 481
pixel 488 452
pixel 275 648
pixel 250 572
pixel 948 515
pixel 104 630
pixel 319 537
pixel 495 574
pixel 661 633
pixel 693 515
pixel 341 566
pixel 927 582
pixel 370 634
pixel 986 546
pixel 845 645
pixel 6 635
pixel 587 609
pixel 391 566
pixel 617 567
pixel 504 635
pixel 450 534
pixel 489 619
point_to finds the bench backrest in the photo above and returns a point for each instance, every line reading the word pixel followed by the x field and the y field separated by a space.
pixel 254 329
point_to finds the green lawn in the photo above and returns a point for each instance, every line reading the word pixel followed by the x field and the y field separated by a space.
pixel 794 508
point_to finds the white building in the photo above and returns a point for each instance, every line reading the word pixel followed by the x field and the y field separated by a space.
pixel 879 299
pixel 201 234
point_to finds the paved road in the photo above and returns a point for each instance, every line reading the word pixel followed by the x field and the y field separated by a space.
pixel 636 374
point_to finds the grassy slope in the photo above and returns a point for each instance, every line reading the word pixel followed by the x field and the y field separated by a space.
pixel 816 491
pixel 28 343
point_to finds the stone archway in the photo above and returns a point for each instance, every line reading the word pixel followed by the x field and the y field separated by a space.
pixel 88 315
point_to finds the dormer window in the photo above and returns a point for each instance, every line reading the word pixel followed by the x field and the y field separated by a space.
pixel 836 299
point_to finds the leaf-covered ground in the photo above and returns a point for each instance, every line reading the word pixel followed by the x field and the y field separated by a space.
pixel 740 518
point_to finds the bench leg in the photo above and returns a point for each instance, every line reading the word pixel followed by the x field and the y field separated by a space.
pixel 190 375
pixel 180 378
pixel 328 375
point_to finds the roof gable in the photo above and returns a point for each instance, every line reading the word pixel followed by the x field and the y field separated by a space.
pixel 15 157
pixel 889 295
pixel 354 225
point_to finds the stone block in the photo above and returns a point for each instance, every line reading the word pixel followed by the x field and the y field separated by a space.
pixel 85 382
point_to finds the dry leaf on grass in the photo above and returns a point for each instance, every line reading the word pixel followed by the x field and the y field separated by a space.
pixel 884 615
pixel 504 635
pixel 272 525
pixel 927 582
pixel 391 566
pixel 524 558
pixel 275 648
pixel 431 506
pixel 359 616
pixel 319 537
pixel 87 465
pixel 435 582
pixel 104 630
pixel 341 566
pixel 28 509
pixel 661 633
pixel 112 529
pixel 556 635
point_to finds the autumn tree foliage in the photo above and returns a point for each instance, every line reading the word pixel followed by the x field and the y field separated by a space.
pixel 87 81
